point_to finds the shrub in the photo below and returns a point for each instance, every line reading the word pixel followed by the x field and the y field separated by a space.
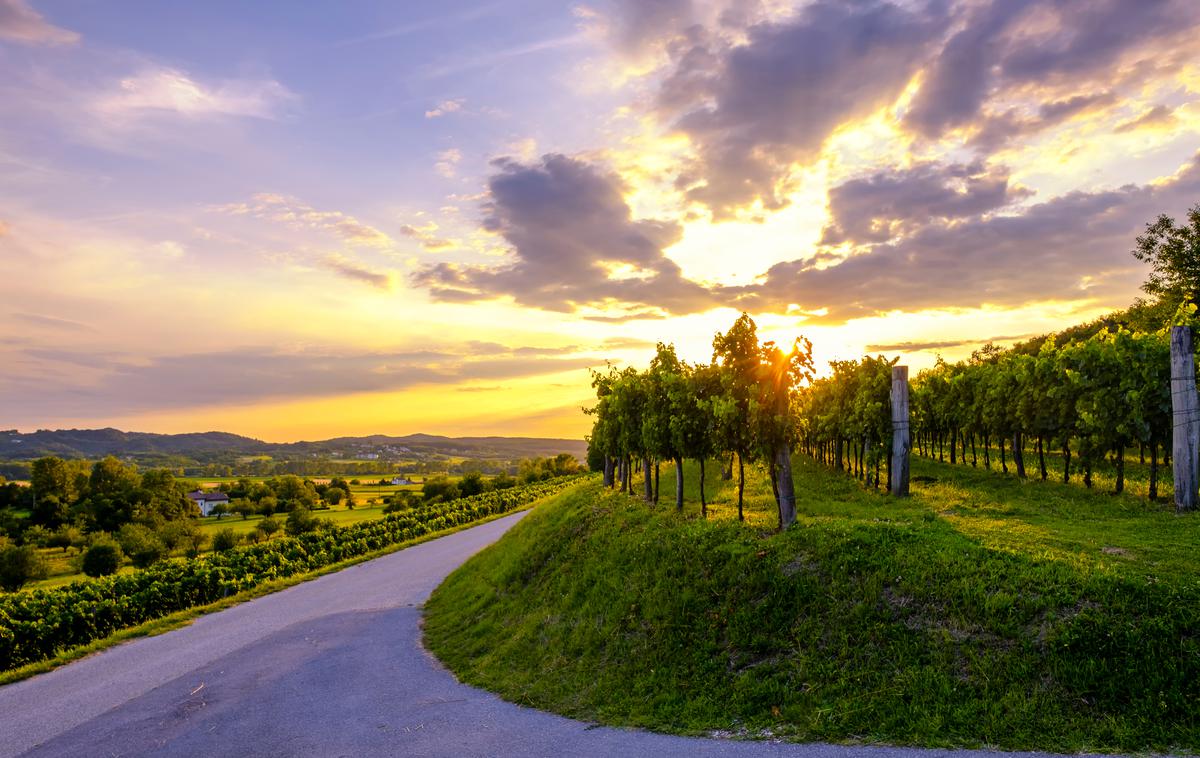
pixel 269 526
pixel 224 540
pixel 102 558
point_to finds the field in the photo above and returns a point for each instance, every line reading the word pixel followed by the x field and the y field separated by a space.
pixel 982 611
pixel 369 498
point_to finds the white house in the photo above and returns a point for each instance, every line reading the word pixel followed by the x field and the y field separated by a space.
pixel 400 480
pixel 206 500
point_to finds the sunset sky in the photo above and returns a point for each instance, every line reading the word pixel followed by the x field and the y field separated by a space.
pixel 297 221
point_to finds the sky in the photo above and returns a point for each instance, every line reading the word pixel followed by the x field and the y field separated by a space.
pixel 302 220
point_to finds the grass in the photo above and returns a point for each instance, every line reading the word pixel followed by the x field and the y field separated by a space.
pixel 982 611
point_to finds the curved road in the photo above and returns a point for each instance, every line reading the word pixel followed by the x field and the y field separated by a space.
pixel 330 667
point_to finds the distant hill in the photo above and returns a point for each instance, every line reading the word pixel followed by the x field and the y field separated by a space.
pixel 95 443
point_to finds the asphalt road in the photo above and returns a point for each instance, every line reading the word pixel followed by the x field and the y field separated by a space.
pixel 331 667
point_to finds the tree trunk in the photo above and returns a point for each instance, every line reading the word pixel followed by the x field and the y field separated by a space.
pixel 741 485
pixel 774 483
pixel 647 483
pixel 837 453
pixel 953 440
pixel 1003 463
pixel 1066 461
pixel 678 483
pixel 703 502
pixel 656 482
pixel 1120 469
pixel 974 457
pixel 727 472
pixel 785 487
pixel 987 451
pixel 1018 454
pixel 608 471
pixel 1041 457
pixel 1153 471
pixel 866 465
pixel 1087 473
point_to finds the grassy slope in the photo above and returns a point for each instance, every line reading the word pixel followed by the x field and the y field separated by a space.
pixel 982 611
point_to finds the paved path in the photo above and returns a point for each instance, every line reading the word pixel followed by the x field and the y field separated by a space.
pixel 331 667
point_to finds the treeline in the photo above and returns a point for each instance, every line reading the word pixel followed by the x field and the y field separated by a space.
pixel 1088 400
pixel 739 405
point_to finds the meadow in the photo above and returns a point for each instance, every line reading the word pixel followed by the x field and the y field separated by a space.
pixel 984 610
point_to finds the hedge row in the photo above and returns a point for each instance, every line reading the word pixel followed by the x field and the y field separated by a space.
pixel 39 624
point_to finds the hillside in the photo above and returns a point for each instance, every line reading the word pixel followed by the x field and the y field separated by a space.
pixel 94 443
pixel 982 611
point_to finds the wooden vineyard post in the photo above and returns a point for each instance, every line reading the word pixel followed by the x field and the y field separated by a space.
pixel 901 432
pixel 1185 407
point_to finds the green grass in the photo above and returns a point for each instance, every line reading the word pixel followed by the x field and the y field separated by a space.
pixel 983 611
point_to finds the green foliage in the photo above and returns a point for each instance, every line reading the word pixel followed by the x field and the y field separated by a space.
pixel 102 558
pixel 226 539
pixel 18 565
pixel 37 624
pixel 301 521
pixel 141 544
pixel 1173 252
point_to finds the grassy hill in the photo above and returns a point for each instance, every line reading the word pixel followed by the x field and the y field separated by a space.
pixel 982 611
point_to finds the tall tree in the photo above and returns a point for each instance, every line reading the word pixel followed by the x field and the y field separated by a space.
pixel 1173 252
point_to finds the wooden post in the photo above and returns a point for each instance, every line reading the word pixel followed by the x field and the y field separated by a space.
pixel 901 433
pixel 1185 406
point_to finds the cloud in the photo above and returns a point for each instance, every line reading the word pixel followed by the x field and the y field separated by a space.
pixel 425 235
pixel 120 384
pixel 445 107
pixel 447 162
pixel 1158 116
pixel 574 243
pixel 167 90
pixel 21 23
pixel 924 347
pixel 1006 46
pixel 1071 247
pixel 880 206
pixel 753 109
pixel 5 229
pixel 298 214
pixel 995 131
pixel 51 322
pixel 356 272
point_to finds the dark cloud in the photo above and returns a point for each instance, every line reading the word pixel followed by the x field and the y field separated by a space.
pixel 753 109
pixel 880 206
pixel 994 132
pixel 1006 45
pixel 1159 115
pixel 1071 247
pixel 638 24
pixel 356 272
pixel 574 243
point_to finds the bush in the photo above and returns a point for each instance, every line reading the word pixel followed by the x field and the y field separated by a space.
pixel 141 544
pixel 224 540
pixel 102 558
pixel 19 565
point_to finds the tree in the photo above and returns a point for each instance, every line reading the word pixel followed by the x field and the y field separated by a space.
pixel 269 526
pixel 780 375
pixel 1173 252
pixel 736 352
pixel 18 565
pixel 102 558
pixel 334 495
pixel 471 484
pixel 300 521
pixel 50 477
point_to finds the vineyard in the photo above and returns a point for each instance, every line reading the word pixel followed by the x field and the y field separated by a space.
pixel 37 625
pixel 1062 410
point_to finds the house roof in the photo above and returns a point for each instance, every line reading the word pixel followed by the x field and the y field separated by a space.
pixel 202 495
